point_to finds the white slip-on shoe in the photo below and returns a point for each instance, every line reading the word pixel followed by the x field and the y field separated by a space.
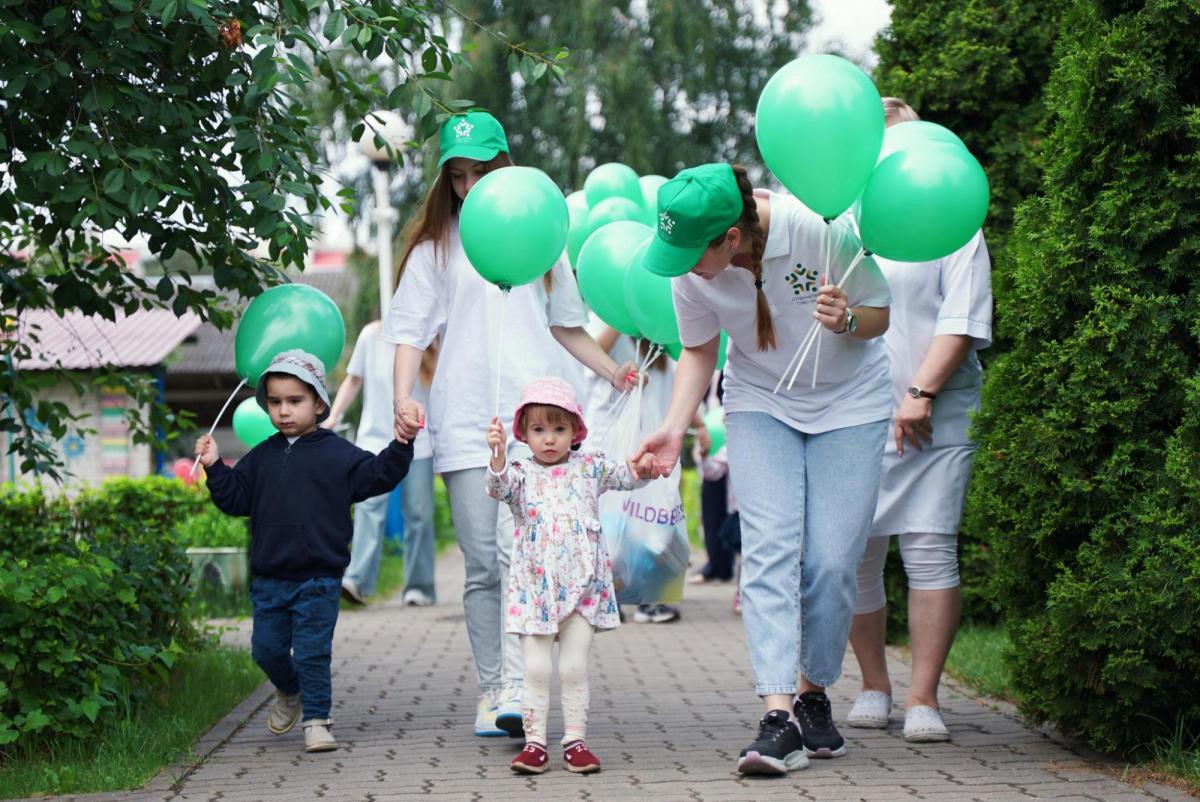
pixel 416 598
pixel 871 711
pixel 317 737
pixel 924 725
pixel 284 713
pixel 351 592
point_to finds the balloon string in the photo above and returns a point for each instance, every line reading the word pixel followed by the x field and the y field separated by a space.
pixel 500 358
pixel 213 428
pixel 810 338
pixel 613 411
pixel 828 248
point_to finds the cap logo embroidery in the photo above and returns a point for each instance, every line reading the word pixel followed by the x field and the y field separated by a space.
pixel 463 129
pixel 666 223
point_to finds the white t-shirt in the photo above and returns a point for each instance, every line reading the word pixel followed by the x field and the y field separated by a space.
pixel 952 295
pixel 446 291
pixel 373 361
pixel 853 379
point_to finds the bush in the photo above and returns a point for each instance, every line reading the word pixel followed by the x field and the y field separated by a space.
pixel 93 603
pixel 1087 481
pixel 212 529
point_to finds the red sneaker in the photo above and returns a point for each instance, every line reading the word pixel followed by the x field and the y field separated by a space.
pixel 532 760
pixel 580 759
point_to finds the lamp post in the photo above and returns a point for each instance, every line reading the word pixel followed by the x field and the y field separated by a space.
pixel 391 128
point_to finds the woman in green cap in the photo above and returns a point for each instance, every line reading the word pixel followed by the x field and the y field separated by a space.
pixel 804 462
pixel 439 290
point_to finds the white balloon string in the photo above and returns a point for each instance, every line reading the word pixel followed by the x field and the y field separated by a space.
pixel 220 415
pixel 816 326
pixel 500 359
pixel 828 248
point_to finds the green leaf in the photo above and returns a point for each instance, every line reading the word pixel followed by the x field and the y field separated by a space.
pixel 429 59
pixel 90 708
pixel 169 11
pixel 113 181
pixel 36 720
pixel 334 25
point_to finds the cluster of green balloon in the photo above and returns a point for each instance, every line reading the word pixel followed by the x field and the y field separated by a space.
pixel 612 192
pixel 603 262
pixel 675 349
pixel 251 423
pixel 925 199
pixel 714 421
pixel 284 317
pixel 648 301
pixel 819 128
pixel 514 225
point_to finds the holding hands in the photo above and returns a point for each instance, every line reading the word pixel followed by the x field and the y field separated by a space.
pixel 410 419
pixel 206 450
pixel 658 453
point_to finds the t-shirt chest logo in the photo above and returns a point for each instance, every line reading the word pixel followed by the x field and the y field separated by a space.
pixel 463 129
pixel 802 281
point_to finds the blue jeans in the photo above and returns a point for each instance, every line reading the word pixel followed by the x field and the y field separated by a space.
pixel 292 641
pixel 805 502
pixel 419 545
pixel 366 550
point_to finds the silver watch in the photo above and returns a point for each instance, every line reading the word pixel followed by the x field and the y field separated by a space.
pixel 851 323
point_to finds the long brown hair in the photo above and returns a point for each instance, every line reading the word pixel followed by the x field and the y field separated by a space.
pixel 750 227
pixel 438 210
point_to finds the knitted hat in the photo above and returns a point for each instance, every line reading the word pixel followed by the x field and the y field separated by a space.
pixel 552 392
pixel 305 367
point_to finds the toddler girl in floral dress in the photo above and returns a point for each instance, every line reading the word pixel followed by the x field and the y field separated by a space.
pixel 560 583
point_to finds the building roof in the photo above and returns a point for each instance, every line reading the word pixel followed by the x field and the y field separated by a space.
pixel 76 341
pixel 211 350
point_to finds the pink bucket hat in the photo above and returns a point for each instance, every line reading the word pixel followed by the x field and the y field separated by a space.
pixel 553 392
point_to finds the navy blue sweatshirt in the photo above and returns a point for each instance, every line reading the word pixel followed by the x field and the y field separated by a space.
pixel 298 497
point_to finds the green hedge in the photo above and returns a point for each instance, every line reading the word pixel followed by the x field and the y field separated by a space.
pixel 94 602
pixel 1087 482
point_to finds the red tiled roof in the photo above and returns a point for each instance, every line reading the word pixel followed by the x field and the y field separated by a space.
pixel 81 342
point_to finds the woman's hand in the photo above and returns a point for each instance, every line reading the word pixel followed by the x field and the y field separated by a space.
pixel 663 447
pixel 832 304
pixel 625 377
pixel 410 419
pixel 914 423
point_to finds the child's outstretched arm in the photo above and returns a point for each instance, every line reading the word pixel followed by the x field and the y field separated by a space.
pixel 505 482
pixel 625 475
pixel 231 489
pixel 375 474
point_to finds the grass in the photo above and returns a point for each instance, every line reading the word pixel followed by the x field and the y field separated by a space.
pixel 1175 760
pixel 689 489
pixel 134 745
pixel 977 659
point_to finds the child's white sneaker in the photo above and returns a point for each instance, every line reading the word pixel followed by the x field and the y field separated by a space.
pixel 317 737
pixel 284 713
pixel 871 711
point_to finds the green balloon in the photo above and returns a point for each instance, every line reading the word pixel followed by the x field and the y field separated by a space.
pixel 612 210
pixel 648 300
pixel 514 225
pixel 251 424
pixel 577 209
pixel 819 128
pixel 603 262
pixel 650 185
pixel 675 349
pixel 714 421
pixel 284 317
pixel 923 203
pixel 612 180
pixel 906 134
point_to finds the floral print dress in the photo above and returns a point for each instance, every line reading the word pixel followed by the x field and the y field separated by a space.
pixel 559 564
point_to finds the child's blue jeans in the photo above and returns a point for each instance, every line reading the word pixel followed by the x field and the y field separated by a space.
pixel 292 640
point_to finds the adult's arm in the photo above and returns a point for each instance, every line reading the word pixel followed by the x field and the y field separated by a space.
pixel 914 415
pixel 692 375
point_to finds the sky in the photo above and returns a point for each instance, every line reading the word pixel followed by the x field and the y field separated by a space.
pixel 849 26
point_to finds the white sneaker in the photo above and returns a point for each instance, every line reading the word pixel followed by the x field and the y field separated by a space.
pixel 416 598
pixel 509 712
pixel 485 716
pixel 924 725
pixel 317 737
pixel 284 713
pixel 871 711
pixel 351 592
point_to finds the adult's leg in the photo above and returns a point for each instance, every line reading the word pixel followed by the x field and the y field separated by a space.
pixel 474 515
pixel 366 550
pixel 574 651
pixel 419 536
pixel 766 462
pixel 510 669
pixel 869 628
pixel 314 616
pixel 535 692
pixel 842 485
pixel 934 609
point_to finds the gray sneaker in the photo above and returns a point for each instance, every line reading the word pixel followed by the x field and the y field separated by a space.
pixel 284 713
pixel 317 737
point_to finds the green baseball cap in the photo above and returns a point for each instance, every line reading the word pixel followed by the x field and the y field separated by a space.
pixel 694 208
pixel 475 135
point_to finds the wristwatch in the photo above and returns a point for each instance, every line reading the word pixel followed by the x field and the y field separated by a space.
pixel 917 392
pixel 851 323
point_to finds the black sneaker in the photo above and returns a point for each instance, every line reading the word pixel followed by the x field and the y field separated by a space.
pixel 778 748
pixel 815 717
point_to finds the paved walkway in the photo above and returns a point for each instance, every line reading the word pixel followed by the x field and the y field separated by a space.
pixel 672 706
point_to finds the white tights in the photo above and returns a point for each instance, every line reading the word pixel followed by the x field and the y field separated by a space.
pixel 930 561
pixel 574 644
